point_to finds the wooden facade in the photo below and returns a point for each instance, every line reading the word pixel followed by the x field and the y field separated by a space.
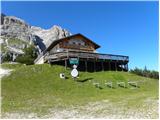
pixel 78 46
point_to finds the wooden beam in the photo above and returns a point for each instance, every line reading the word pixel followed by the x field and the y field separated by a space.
pixel 102 66
pixel 86 65
pixel 109 63
pixel 127 66
pixel 65 64
pixel 115 65
pixel 94 66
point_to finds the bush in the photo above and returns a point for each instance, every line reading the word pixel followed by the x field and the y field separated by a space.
pixel 145 72
pixel 7 57
pixel 25 60
pixel 28 57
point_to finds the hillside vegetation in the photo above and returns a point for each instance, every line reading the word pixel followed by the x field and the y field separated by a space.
pixel 145 72
pixel 38 90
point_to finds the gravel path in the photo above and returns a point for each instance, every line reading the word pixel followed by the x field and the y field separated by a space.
pixel 101 110
pixel 107 110
pixel 4 72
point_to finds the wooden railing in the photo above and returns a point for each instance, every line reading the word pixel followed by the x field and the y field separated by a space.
pixel 86 55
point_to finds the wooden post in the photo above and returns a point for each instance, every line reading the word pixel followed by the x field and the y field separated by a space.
pixel 94 66
pixel 65 64
pixel 109 65
pixel 67 54
pixel 115 65
pixel 102 66
pixel 122 66
pixel 127 66
pixel 49 62
pixel 86 65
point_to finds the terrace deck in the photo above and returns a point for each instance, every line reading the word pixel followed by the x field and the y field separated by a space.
pixel 95 56
pixel 115 61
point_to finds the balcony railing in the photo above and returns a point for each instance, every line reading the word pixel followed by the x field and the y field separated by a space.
pixel 86 55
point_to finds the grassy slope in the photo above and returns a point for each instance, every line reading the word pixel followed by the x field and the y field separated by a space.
pixel 15 41
pixel 12 42
pixel 37 88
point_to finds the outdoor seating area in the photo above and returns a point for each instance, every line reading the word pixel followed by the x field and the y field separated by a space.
pixel 131 84
pixel 119 84
pixel 109 84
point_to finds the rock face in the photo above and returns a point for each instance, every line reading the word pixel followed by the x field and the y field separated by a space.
pixel 13 27
pixel 15 30
pixel 48 36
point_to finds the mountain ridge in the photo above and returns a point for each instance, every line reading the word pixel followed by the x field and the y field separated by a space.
pixel 13 28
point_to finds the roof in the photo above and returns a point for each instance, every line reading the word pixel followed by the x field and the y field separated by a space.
pixel 72 36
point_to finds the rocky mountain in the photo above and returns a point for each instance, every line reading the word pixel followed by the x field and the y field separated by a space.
pixel 16 35
pixel 13 27
pixel 48 36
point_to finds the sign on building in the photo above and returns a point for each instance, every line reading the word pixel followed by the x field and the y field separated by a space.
pixel 74 61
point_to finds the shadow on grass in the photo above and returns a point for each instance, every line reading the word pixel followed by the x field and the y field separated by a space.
pixel 66 77
pixel 136 86
pixel 98 86
pixel 122 86
pixel 84 80
pixel 109 86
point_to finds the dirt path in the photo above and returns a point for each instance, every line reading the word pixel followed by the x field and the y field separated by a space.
pixel 4 72
pixel 108 110
pixel 102 110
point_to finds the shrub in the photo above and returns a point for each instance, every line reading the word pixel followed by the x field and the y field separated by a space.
pixel 28 57
pixel 7 57
pixel 145 72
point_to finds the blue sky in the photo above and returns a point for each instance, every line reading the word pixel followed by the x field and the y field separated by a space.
pixel 125 28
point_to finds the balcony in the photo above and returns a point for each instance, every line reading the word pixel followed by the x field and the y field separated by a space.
pixel 61 55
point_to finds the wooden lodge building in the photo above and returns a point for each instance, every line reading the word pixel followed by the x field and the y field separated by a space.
pixel 79 47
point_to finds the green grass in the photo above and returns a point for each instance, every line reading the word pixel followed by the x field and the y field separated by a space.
pixel 12 42
pixel 6 65
pixel 36 88
pixel 15 41
pixel 3 48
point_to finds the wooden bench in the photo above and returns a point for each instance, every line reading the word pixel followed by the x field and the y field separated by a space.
pixel 133 83
pixel 108 84
pixel 121 84
pixel 96 84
